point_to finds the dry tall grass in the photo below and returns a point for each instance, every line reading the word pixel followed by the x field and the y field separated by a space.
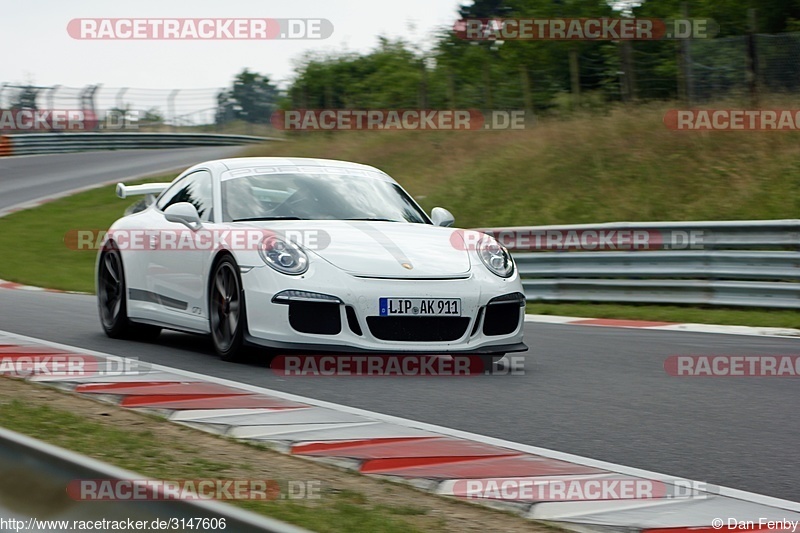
pixel 623 164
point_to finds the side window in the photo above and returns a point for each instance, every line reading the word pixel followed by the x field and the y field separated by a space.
pixel 166 196
pixel 196 188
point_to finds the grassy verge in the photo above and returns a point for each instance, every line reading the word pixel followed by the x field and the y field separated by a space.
pixel 34 239
pixel 159 449
pixel 621 164
pixel 776 318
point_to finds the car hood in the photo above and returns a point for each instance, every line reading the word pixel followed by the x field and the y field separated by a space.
pixel 381 249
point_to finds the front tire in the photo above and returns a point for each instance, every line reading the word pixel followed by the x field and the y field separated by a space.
pixel 226 309
pixel 111 302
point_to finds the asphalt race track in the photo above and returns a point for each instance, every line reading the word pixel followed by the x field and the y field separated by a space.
pixel 597 392
pixel 27 178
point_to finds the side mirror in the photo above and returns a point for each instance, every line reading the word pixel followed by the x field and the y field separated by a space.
pixel 183 213
pixel 442 217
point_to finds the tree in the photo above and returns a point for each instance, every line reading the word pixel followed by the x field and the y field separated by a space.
pixel 532 74
pixel 252 99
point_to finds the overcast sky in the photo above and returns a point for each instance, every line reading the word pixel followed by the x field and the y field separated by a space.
pixel 37 48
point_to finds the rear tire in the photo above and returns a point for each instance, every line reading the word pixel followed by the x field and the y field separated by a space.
pixel 112 303
pixel 226 309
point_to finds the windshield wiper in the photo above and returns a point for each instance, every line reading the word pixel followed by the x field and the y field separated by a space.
pixel 253 219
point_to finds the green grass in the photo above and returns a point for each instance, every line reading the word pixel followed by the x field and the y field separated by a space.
pixel 144 453
pixel 34 239
pixel 777 318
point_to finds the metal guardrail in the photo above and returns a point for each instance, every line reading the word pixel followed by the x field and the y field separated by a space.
pixel 737 263
pixel 53 143
pixel 724 235
pixel 34 476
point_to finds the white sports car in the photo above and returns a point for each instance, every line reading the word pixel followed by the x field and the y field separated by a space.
pixel 305 254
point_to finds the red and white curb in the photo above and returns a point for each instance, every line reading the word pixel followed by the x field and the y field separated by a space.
pixel 433 458
pixel 664 326
pixel 22 287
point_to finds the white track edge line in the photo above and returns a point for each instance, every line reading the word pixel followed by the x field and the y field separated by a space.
pixel 678 327
pixel 37 202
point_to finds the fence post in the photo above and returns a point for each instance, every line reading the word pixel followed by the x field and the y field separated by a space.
pixel 121 106
pixel 527 99
pixel 629 76
pixel 171 108
pixel 685 87
pixel 423 85
pixel 752 57
pixel 451 88
pixel 51 96
pixel 487 85
pixel 87 102
pixel 575 76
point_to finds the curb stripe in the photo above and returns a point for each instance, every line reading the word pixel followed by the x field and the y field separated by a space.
pixel 383 445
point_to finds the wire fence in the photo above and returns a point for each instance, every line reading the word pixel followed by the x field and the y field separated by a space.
pixel 544 75
pixel 720 67
pixel 589 75
pixel 697 71
pixel 132 108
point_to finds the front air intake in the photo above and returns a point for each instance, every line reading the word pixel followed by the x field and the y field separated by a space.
pixel 418 328
pixel 503 314
pixel 352 321
pixel 316 318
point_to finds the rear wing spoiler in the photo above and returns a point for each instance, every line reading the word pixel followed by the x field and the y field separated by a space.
pixel 123 191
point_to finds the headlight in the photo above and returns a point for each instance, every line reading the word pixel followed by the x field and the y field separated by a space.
pixel 284 256
pixel 495 257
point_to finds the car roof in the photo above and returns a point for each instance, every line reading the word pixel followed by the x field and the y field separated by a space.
pixel 247 162
pixel 239 163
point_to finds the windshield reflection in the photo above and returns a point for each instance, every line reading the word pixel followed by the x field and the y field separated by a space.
pixel 317 197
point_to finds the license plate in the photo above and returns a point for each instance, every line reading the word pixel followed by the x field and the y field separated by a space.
pixel 420 306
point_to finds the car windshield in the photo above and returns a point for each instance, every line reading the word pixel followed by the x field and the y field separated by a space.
pixel 311 196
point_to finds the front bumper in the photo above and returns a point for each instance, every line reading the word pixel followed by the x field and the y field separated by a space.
pixel 276 324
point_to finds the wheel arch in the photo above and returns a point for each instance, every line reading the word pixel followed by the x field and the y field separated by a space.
pixel 100 253
pixel 212 265
pixel 234 353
